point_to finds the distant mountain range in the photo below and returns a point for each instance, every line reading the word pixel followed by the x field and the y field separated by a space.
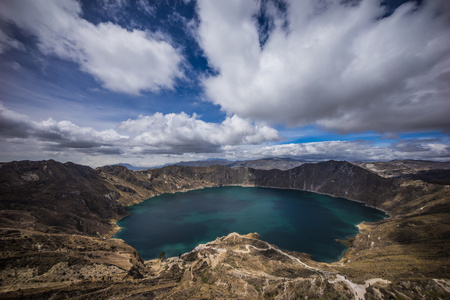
pixel 261 164
pixel 132 167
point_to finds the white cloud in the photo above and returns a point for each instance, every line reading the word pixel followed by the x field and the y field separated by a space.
pixel 339 66
pixel 323 150
pixel 159 139
pixel 58 135
pixel 172 133
pixel 354 150
pixel 66 130
pixel 128 61
pixel 155 134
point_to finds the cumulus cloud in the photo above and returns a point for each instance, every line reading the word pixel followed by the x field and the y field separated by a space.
pixel 347 150
pixel 155 134
pixel 61 135
pixel 357 150
pixel 172 133
pixel 127 61
pixel 13 124
pixel 159 139
pixel 346 67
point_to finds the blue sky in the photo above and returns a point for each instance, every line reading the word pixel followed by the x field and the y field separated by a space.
pixel 155 82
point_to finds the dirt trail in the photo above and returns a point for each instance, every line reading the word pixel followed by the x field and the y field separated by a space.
pixel 359 290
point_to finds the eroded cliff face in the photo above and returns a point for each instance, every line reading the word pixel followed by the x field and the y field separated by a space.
pixel 54 219
pixel 335 178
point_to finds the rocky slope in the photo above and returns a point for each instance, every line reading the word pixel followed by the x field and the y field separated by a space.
pixel 54 218
pixel 403 168
pixel 53 197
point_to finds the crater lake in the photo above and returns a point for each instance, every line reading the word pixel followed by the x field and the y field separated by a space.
pixel 290 219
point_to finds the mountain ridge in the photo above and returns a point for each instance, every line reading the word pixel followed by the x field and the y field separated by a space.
pixel 264 163
pixel 42 204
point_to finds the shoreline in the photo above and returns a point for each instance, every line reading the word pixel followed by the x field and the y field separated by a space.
pixel 117 228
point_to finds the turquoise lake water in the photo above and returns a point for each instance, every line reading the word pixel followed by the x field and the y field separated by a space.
pixel 292 220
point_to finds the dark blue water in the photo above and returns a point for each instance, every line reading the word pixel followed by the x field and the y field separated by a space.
pixel 293 220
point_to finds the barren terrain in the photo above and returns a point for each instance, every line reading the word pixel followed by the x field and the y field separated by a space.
pixel 56 221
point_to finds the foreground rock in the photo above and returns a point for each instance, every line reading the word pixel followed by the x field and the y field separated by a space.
pixel 55 220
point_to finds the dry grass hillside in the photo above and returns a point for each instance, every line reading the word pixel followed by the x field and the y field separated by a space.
pixel 56 221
